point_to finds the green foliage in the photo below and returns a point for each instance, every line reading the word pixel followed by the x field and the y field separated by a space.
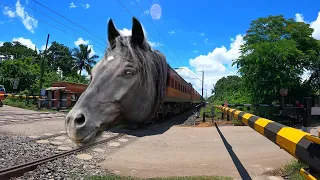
pixel 20 69
pixel 83 58
pixel 59 65
pixel 21 102
pixel 275 52
pixel 17 50
pixel 60 57
pixel 231 88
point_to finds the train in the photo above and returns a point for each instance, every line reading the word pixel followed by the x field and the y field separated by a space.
pixel 180 95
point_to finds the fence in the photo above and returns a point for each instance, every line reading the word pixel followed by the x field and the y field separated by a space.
pixel 42 101
pixel 299 144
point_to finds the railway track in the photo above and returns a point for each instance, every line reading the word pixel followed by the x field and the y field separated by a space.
pixel 19 170
pixel 29 139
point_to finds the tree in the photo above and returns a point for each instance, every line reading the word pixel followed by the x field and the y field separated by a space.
pixel 60 56
pixel 83 59
pixel 231 88
pixel 17 50
pixel 21 69
pixel 275 52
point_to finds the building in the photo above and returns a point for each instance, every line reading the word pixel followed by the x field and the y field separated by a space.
pixel 62 95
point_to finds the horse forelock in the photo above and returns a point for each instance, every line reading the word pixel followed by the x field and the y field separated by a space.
pixel 151 64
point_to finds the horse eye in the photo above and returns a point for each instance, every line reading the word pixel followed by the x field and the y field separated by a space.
pixel 128 73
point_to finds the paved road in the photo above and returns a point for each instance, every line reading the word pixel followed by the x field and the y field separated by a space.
pixel 184 151
pixel 19 121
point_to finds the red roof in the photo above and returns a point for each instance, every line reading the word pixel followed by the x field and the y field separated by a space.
pixel 72 87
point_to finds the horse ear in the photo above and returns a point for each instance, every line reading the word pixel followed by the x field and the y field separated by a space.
pixel 137 32
pixel 112 32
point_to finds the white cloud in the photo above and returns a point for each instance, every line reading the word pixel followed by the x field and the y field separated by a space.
pixel 155 44
pixel 29 22
pixel 128 32
pixel 81 41
pixel 146 12
pixel 72 5
pixel 195 51
pixel 7 11
pixel 306 75
pixel 215 65
pixel 172 32
pixel 314 24
pixel 206 40
pixel 1 43
pixel 86 6
pixel 43 47
pixel 85 42
pixel 26 42
pixel 299 17
pixel 125 32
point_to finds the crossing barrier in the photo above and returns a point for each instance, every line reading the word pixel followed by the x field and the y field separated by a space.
pixel 19 96
pixel 301 145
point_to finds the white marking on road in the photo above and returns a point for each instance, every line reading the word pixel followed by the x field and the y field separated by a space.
pixel 42 141
pixel 48 134
pixel 64 148
pixel 84 156
pixel 114 144
pixel 269 169
pixel 60 138
pixel 123 140
pixel 57 143
pixel 98 150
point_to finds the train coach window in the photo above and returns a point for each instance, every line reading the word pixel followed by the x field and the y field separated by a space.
pixel 172 83
pixel 175 85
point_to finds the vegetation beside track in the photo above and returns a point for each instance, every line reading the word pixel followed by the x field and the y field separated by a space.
pixel 290 170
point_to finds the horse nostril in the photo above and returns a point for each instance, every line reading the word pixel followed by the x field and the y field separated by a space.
pixel 79 120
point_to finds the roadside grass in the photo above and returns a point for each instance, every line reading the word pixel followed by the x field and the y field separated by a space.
pixel 116 177
pixel 31 104
pixel 290 170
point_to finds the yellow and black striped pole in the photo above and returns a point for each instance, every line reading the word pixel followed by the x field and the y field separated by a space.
pixel 19 96
pixel 299 144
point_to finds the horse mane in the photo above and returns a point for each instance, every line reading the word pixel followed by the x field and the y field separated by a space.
pixel 152 65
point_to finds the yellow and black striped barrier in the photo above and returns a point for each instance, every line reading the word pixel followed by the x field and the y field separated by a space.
pixel 299 144
pixel 20 96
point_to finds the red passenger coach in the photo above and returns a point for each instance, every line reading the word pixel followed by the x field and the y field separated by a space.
pixel 180 94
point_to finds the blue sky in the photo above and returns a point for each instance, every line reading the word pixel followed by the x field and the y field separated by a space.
pixel 205 35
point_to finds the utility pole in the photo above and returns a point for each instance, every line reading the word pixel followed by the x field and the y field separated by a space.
pixel 42 65
pixel 206 94
pixel 202 82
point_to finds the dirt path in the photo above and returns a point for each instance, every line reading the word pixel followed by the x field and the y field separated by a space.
pixel 185 151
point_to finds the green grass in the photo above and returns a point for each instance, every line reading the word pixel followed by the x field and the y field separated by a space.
pixel 236 122
pixel 116 177
pixel 22 103
pixel 291 170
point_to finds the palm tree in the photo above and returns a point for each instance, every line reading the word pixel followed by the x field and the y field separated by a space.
pixel 83 59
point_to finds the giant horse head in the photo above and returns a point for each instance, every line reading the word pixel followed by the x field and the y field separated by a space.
pixel 126 86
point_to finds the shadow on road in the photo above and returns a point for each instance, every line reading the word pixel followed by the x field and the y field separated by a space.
pixel 241 169
pixel 157 128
